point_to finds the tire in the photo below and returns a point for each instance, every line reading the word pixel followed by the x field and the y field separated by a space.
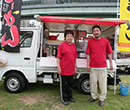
pixel 14 82
pixel 129 70
pixel 84 85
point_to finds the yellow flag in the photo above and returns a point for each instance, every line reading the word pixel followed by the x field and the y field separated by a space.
pixel 124 31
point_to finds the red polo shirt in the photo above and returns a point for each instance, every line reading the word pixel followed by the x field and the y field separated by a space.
pixel 98 50
pixel 67 54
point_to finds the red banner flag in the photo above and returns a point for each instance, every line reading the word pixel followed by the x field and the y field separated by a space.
pixel 11 11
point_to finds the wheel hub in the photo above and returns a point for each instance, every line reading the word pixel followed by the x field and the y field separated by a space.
pixel 86 85
pixel 13 83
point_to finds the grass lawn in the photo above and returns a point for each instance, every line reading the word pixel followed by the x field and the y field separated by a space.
pixel 41 96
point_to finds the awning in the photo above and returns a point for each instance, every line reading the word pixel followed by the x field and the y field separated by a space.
pixel 78 20
pixel 60 24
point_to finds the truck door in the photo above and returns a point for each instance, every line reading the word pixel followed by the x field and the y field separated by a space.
pixel 28 53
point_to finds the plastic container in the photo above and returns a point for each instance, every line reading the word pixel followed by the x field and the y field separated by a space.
pixel 52 37
pixel 54 51
pixel 124 89
pixel 47 51
pixel 50 51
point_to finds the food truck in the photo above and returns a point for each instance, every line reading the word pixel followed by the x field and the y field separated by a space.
pixel 37 60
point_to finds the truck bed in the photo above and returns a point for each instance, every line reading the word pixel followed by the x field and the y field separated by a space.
pixel 123 61
pixel 49 64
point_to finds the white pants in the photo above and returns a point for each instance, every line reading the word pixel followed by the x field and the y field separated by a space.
pixel 98 76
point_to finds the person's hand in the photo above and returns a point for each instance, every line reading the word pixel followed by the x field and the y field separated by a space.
pixel 75 71
pixel 111 66
pixel 88 68
pixel 59 70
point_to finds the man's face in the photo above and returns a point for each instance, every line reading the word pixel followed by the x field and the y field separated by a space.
pixel 69 38
pixel 97 32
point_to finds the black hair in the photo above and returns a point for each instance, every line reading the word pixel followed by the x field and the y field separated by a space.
pixel 68 32
pixel 96 26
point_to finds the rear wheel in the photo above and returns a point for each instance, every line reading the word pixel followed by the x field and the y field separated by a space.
pixel 129 70
pixel 84 85
pixel 14 82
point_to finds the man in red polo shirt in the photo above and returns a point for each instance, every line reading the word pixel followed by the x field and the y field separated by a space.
pixel 66 65
pixel 96 51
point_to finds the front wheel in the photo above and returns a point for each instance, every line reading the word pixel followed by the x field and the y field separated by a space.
pixel 14 83
pixel 84 85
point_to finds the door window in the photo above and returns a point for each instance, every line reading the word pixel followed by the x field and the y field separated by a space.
pixel 26 38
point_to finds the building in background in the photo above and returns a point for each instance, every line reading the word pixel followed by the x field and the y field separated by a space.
pixel 77 8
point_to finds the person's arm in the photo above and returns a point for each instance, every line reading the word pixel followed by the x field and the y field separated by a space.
pixel 88 62
pixel 75 66
pixel 58 66
pixel 110 60
pixel 109 51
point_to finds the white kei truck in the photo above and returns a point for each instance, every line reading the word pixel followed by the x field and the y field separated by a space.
pixel 29 66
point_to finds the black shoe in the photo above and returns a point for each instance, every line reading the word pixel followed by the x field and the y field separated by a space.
pixel 65 102
pixel 71 100
pixel 92 100
pixel 101 103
